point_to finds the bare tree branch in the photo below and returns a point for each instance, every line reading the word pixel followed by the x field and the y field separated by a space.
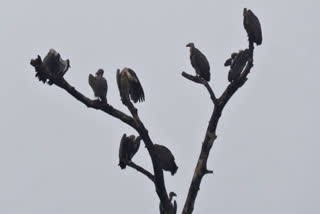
pixel 201 167
pixel 134 122
pixel 199 80
pixel 141 169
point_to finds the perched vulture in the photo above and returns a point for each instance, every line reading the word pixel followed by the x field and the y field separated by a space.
pixel 252 25
pixel 199 62
pixel 171 195
pixel 238 62
pixel 128 148
pixel 230 60
pixel 165 158
pixel 129 86
pixel 99 85
pixel 55 64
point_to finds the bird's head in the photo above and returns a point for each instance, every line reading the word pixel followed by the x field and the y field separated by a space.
pixel 172 194
pixel 245 11
pixel 132 137
pixel 100 72
pixel 190 45
pixel 233 55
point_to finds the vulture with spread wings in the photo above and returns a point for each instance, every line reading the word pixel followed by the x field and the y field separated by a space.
pixel 99 85
pixel 129 86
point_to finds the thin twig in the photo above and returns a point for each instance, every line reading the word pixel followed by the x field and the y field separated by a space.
pixel 141 169
pixel 199 80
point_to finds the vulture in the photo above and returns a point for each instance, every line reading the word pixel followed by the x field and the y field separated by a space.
pixel 129 86
pixel 237 62
pixel 99 85
pixel 171 195
pixel 128 148
pixel 199 62
pixel 165 158
pixel 252 26
pixel 230 60
pixel 55 64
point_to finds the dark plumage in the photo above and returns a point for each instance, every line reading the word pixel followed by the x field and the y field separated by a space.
pixel 238 62
pixel 252 25
pixel 129 86
pixel 99 85
pixel 53 63
pixel 165 158
pixel 199 62
pixel 128 148
pixel 171 195
pixel 230 60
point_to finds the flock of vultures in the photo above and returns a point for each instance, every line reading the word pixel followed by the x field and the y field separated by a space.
pixel 131 89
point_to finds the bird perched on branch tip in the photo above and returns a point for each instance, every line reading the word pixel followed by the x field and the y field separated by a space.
pixel 128 148
pixel 129 86
pixel 252 25
pixel 99 85
pixel 199 62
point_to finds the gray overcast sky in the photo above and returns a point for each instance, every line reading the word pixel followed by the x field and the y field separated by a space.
pixel 57 156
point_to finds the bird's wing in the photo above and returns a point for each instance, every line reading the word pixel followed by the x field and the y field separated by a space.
pixel 252 26
pixel 256 27
pixel 102 84
pixel 120 86
pixel 203 64
pixel 194 63
pixel 123 152
pixel 165 152
pixel 201 60
pixel 122 145
pixel 135 146
pixel 136 90
pixel 119 80
pixel 102 87
pixel 240 61
pixel 92 83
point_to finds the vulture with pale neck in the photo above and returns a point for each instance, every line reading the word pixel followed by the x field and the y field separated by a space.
pixel 128 148
pixel 199 62
pixel 99 85
pixel 129 86
pixel 171 195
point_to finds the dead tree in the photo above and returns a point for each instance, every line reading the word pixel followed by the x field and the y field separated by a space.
pixel 53 67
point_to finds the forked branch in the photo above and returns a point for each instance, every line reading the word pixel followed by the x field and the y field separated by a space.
pixel 199 80
pixel 219 104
